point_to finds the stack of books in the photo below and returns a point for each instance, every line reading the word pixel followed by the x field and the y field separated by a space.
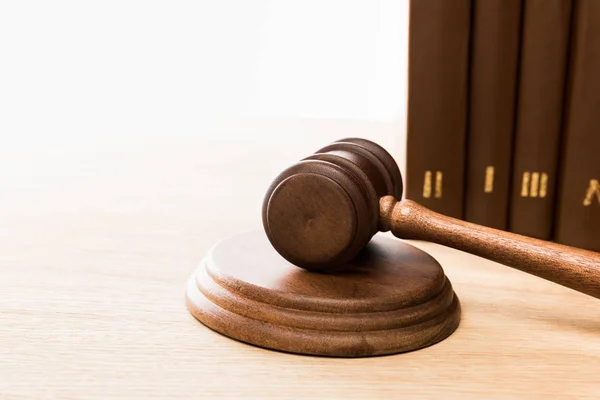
pixel 504 115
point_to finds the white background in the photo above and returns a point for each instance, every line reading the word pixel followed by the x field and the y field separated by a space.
pixel 81 79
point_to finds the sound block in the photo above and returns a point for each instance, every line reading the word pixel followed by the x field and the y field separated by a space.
pixel 393 298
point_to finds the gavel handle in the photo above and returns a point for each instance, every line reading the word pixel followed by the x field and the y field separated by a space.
pixel 568 266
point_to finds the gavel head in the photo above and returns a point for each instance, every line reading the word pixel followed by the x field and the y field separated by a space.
pixel 319 213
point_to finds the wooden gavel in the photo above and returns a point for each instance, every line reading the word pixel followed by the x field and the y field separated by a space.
pixel 319 213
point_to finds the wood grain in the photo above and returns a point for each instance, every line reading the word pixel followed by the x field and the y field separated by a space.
pixel 568 266
pixel 392 298
pixel 96 247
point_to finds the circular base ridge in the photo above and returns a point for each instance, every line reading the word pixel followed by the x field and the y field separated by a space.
pixel 392 298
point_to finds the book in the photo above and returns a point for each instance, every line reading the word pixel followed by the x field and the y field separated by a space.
pixel 439 32
pixel 495 40
pixel 540 105
pixel 578 213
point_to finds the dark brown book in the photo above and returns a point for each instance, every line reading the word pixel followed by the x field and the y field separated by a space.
pixel 495 40
pixel 578 216
pixel 540 103
pixel 437 103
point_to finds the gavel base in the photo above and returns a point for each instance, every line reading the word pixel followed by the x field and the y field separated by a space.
pixel 392 298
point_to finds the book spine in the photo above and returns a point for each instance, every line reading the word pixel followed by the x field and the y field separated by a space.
pixel 540 104
pixel 439 34
pixel 578 212
pixel 494 66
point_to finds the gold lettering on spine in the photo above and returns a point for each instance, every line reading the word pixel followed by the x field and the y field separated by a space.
pixel 438 184
pixel 593 189
pixel 535 182
pixel 427 185
pixel 544 185
pixel 525 184
pixel 488 186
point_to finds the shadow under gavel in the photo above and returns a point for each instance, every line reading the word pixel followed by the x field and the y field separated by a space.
pixel 320 212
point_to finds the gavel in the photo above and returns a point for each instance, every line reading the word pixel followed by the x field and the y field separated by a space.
pixel 321 212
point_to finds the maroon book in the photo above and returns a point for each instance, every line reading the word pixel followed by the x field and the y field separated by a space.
pixel 540 105
pixel 578 213
pixel 494 66
pixel 437 103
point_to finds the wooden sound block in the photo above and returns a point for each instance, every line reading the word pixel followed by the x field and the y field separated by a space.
pixel 392 298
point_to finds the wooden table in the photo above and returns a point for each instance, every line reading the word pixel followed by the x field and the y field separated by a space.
pixel 96 245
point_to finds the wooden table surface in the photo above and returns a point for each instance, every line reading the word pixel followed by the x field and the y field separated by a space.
pixel 96 245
